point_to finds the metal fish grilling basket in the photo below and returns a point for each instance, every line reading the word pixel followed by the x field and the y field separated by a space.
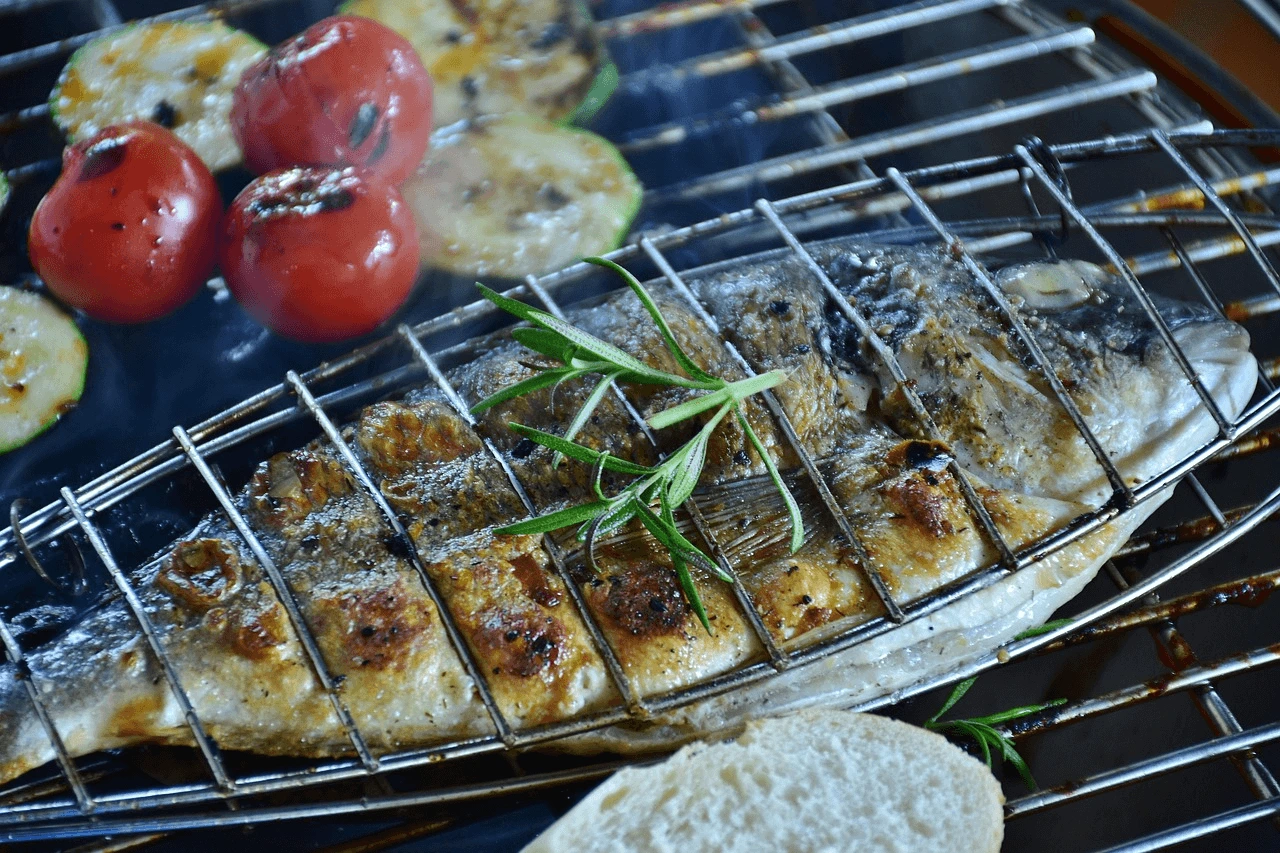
pixel 995 128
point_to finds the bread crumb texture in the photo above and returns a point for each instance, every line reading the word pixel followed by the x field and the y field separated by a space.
pixel 812 782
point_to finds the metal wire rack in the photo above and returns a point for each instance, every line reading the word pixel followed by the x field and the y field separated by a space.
pixel 1215 194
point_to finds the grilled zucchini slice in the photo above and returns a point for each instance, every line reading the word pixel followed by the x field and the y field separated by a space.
pixel 517 195
pixel 537 57
pixel 43 358
pixel 181 75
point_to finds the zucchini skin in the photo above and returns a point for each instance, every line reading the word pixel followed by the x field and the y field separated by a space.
pixel 515 195
pixel 487 57
pixel 180 75
pixel 44 361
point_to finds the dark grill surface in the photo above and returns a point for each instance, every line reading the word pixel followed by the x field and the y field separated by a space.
pixel 721 104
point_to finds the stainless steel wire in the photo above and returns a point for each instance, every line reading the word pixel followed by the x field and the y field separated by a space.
pixel 855 201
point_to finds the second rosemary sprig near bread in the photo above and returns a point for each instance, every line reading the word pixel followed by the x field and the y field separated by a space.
pixel 658 490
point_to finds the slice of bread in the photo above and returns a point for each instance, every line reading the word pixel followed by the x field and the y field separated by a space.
pixel 811 782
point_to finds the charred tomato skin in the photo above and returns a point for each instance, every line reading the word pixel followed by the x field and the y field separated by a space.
pixel 319 254
pixel 347 91
pixel 129 231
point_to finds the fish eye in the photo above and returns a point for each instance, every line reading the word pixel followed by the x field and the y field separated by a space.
pixel 1049 285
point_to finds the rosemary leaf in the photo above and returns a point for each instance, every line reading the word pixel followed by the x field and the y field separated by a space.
pixel 588 408
pixel 1039 630
pixel 662 532
pixel 576 451
pixel 1019 712
pixel 617 517
pixel 978 736
pixel 555 520
pixel 752 385
pixel 732 392
pixel 691 459
pixel 686 363
pixel 543 341
pixel 957 693
pixel 983 731
pixel 586 342
pixel 689 408
pixel 793 508
pixel 667 485
pixel 534 383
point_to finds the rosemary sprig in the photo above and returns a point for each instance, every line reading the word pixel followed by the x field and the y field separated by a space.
pixel 982 730
pixel 1052 625
pixel 656 492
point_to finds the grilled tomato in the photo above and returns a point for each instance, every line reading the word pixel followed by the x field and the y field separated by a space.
pixel 346 92
pixel 129 231
pixel 319 254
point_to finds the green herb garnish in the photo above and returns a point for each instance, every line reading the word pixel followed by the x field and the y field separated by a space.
pixel 983 732
pixel 1052 625
pixel 657 491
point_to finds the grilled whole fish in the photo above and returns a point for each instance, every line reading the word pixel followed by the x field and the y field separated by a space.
pixel 241 663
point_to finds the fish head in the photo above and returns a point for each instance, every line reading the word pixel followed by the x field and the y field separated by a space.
pixel 984 390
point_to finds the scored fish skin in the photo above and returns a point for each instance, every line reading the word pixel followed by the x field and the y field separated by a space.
pixel 240 662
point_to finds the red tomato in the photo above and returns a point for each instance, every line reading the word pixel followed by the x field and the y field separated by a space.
pixel 319 254
pixel 346 92
pixel 129 231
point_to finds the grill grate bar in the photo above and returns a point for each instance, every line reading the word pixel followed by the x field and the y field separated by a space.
pixel 787 78
pixel 1095 63
pixel 454 633
pixel 903 77
pixel 1176 653
pixel 11 121
pixel 52 782
pixel 284 593
pixel 844 32
pixel 1266 13
pixel 1212 250
pixel 778 658
pixel 908 136
pixel 783 420
pixel 1118 486
pixel 1206 190
pixel 1225 427
pixel 1191 197
pixel 1258 441
pixel 84 803
pixel 1179 566
pixel 105 13
pixel 671 15
pixel 20 60
pixel 606 651
pixel 903 383
pixel 362 806
pixel 1176 682
pixel 1210 298
pixel 9 7
pixel 1140 770
pixel 1245 592
pixel 1188 531
pixel 1200 828
pixel 208 749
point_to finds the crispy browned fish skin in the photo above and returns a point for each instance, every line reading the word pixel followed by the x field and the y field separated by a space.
pixel 381 637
